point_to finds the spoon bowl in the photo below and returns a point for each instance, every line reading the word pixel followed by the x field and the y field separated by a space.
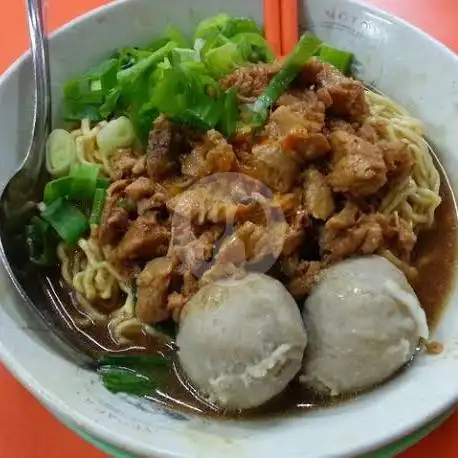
pixel 22 193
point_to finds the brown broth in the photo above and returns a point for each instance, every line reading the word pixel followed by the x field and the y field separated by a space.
pixel 434 256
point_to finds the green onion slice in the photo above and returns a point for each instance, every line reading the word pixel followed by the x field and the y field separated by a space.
pixel 84 181
pixel 97 206
pixel 60 152
pixel 69 222
pixel 340 59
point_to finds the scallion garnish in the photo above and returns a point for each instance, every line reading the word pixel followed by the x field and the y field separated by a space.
pixel 131 374
pixel 40 241
pixel 84 181
pixel 69 222
pixel 122 380
pixel 56 189
pixel 103 183
pixel 308 45
pixel 97 206
pixel 336 57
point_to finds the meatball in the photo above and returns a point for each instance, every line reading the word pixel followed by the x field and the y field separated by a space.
pixel 241 341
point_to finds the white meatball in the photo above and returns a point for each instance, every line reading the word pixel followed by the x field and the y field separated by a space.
pixel 241 341
pixel 363 323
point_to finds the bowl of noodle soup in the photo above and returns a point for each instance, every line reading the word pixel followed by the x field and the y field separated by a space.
pixel 396 117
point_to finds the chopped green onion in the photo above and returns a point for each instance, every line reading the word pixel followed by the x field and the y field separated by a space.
pixel 304 50
pixel 69 222
pixel 60 152
pixel 131 374
pixel 121 380
pixel 84 181
pixel 230 113
pixel 211 26
pixel 254 47
pixel 181 55
pixel 340 59
pixel 125 76
pixel 40 242
pixel 65 187
pixel 223 59
pixel 175 35
pixel 55 189
pixel 110 103
pixel 118 133
pixel 103 182
pixel 97 206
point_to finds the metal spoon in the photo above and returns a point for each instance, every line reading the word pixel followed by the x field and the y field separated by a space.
pixel 19 199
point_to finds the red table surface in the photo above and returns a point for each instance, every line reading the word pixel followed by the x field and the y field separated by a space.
pixel 27 430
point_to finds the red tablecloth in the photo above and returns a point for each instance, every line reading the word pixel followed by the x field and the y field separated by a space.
pixel 27 430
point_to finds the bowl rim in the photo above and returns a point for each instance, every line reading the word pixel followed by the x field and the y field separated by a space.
pixel 99 431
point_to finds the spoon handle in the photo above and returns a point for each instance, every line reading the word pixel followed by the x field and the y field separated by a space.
pixel 33 162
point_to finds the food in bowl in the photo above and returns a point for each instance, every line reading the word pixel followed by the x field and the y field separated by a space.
pixel 241 367
pixel 364 323
pixel 195 181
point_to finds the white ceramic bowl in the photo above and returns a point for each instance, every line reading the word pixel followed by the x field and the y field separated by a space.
pixel 400 60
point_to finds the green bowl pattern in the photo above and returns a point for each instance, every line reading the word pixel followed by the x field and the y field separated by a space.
pixel 389 451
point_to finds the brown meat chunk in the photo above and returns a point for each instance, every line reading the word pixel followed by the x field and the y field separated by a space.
pixel 232 251
pixel 366 237
pixel 368 133
pixel 358 166
pixel 252 244
pixel 307 113
pixel 165 143
pixel 177 300
pixel 352 232
pixel 114 220
pixel 292 96
pixel 347 94
pixel 190 284
pixel 123 163
pixel 249 242
pixel 399 237
pixel 113 225
pixel 156 202
pixel 294 233
pixel 302 146
pixel 318 197
pixel 271 166
pixel 175 305
pixel 398 159
pixel 145 238
pixel 334 125
pixel 194 251
pixel 202 205
pixel 249 81
pixel 303 278
pixel 214 155
pixel 297 123
pixel 153 284
pixel 310 71
pixel 140 188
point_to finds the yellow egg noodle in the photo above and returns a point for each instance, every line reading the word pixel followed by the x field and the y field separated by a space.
pixel 86 268
pixel 416 198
